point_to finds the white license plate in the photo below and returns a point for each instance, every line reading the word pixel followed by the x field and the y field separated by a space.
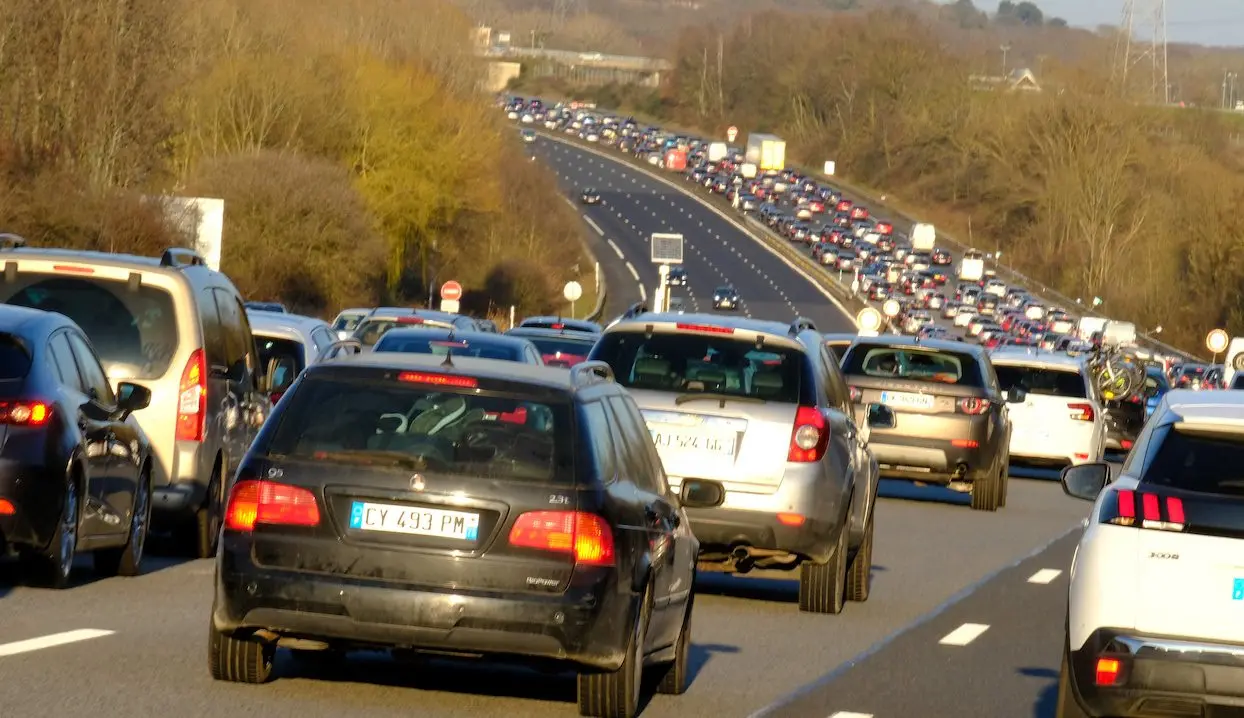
pixel 906 401
pixel 414 521
pixel 689 441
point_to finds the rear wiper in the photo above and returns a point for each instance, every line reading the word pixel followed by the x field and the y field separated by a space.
pixel 721 398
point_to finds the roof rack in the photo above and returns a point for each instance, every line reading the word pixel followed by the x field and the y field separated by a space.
pixel 11 241
pixel 181 257
pixel 802 324
pixel 590 372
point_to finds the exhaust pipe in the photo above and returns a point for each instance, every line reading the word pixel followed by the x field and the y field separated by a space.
pixel 961 470
pixel 743 560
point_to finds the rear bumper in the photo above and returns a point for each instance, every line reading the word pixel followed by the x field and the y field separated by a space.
pixel 719 529
pixel 588 626
pixel 181 485
pixel 1158 676
pixel 935 460
pixel 37 496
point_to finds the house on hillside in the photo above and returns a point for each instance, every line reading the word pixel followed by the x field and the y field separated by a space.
pixel 1020 80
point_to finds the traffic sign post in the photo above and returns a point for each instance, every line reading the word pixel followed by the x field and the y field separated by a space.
pixel 868 321
pixel 732 134
pixel 1217 341
pixel 451 296
pixel 572 292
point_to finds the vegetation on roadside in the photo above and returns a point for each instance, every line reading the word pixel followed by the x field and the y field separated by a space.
pixel 357 161
pixel 1089 192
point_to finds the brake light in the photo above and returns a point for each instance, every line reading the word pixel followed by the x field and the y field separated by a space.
pixel 705 328
pixel 1107 671
pixel 1081 412
pixel 266 502
pixel 458 382
pixel 7 508
pixel 1163 514
pixel 789 519
pixel 809 437
pixel 972 405
pixel 192 398
pixel 559 326
pixel 24 413
pixel 71 269
pixel 410 320
pixel 587 537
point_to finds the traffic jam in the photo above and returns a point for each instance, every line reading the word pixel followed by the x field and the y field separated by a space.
pixel 417 482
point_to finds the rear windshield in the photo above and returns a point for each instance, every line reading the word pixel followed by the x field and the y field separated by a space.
pixel 369 331
pixel 440 347
pixel 134 332
pixel 1035 380
pixel 913 364
pixel 14 359
pixel 419 427
pixel 689 363
pixel 347 322
pixel 561 352
pixel 275 348
pixel 1211 463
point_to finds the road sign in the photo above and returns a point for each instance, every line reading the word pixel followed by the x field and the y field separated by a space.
pixel 732 133
pixel 868 320
pixel 1217 341
pixel 572 291
pixel 891 308
pixel 451 291
pixel 666 248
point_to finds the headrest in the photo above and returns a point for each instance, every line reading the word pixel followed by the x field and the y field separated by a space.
pixel 767 380
pixel 652 367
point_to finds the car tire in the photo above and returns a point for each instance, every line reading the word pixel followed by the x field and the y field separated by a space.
pixel 1067 706
pixel 860 573
pixel 204 528
pixel 985 493
pixel 239 660
pixel 53 566
pixel 677 675
pixel 822 587
pixel 616 694
pixel 1004 482
pixel 127 560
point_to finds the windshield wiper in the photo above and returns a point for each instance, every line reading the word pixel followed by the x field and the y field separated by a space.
pixel 712 396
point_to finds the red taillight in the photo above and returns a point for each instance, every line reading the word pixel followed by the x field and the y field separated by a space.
pixel 7 508
pixel 972 405
pixel 192 398
pixel 71 269
pixel 1122 511
pixel 585 536
pixel 1126 444
pixel 1081 412
pixel 789 519
pixel 410 320
pixel 559 326
pixel 705 328
pixel 965 443
pixel 25 413
pixel 265 502
pixel 809 437
pixel 458 382
pixel 1107 671
pixel 856 394
pixel 276 396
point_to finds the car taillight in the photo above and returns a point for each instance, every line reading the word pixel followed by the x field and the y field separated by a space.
pixel 1107 672
pixel 1081 412
pixel 255 502
pixel 192 398
pixel 971 405
pixel 25 413
pixel 856 394
pixel 809 437
pixel 276 397
pixel 587 537
pixel 1155 512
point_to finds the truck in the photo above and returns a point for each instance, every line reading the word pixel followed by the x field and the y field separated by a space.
pixel 923 236
pixel 717 151
pixel 675 160
pixel 972 266
pixel 768 152
pixel 1119 334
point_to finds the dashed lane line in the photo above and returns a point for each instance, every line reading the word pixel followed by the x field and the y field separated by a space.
pixel 963 635
pixel 849 714
pixel 631 268
pixel 595 226
pixel 1044 576
pixel 51 641
pixel 615 249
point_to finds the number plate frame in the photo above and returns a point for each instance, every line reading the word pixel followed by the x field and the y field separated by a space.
pixel 371 517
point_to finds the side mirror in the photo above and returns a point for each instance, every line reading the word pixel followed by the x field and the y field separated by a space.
pixel 1086 480
pixel 132 397
pixel 237 372
pixel 1015 395
pixel 881 416
pixel 698 494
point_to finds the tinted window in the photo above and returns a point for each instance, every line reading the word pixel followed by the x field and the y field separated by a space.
pixel 464 347
pixel 647 472
pixel 134 332
pixel 322 338
pixel 425 428
pixel 233 327
pixel 347 322
pixel 839 349
pixel 561 352
pixel 596 423
pixel 369 331
pixel 14 359
pixel 688 363
pixel 66 365
pixel 88 367
pixel 913 364
pixel 213 333
pixel 1199 461
pixel 275 348
pixel 1035 380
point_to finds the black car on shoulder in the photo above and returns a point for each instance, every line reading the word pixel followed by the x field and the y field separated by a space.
pixel 590 196
pixel 399 501
pixel 558 347
pixel 444 342
pixel 77 467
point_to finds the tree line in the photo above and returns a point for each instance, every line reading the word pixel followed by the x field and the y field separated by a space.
pixel 358 162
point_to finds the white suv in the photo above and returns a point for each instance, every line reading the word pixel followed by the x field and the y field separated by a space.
pixel 1060 421
pixel 1157 583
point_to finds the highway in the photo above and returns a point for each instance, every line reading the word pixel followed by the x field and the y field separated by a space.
pixel 126 647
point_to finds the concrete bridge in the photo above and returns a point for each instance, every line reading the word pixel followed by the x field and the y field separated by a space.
pixel 593 68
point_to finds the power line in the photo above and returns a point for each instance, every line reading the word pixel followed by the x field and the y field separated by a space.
pixel 1142 41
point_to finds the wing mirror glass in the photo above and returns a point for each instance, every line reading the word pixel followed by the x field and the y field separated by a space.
pixel 1015 395
pixel 1086 480
pixel 132 397
pixel 698 494
pixel 881 416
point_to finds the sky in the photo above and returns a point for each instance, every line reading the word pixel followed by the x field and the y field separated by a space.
pixel 1206 22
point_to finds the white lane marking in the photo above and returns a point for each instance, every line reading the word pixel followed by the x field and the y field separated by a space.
pixel 849 714
pixel 599 231
pixel 643 294
pixel 51 641
pixel 1045 575
pixel 963 635
pixel 615 249
pixel 631 268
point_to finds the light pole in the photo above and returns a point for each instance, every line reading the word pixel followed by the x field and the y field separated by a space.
pixel 1005 49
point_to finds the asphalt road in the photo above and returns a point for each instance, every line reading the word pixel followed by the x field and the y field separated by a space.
pixel 125 647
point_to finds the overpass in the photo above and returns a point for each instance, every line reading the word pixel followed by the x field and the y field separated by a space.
pixel 593 68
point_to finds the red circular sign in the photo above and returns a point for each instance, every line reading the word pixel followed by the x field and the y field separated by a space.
pixel 732 133
pixel 451 291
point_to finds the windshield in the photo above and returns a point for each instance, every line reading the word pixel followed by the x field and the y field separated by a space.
pixel 1037 380
pixel 134 332
pixel 914 365
pixel 689 363
pixel 424 428
pixel 440 346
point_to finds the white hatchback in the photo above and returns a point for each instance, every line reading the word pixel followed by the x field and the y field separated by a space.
pixel 1060 421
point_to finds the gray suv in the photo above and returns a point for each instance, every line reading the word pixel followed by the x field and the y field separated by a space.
pixel 755 426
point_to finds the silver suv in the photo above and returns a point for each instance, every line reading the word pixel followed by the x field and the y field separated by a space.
pixel 755 427
pixel 175 326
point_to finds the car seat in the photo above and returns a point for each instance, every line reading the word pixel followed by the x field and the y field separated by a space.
pixel 767 384
pixel 652 373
